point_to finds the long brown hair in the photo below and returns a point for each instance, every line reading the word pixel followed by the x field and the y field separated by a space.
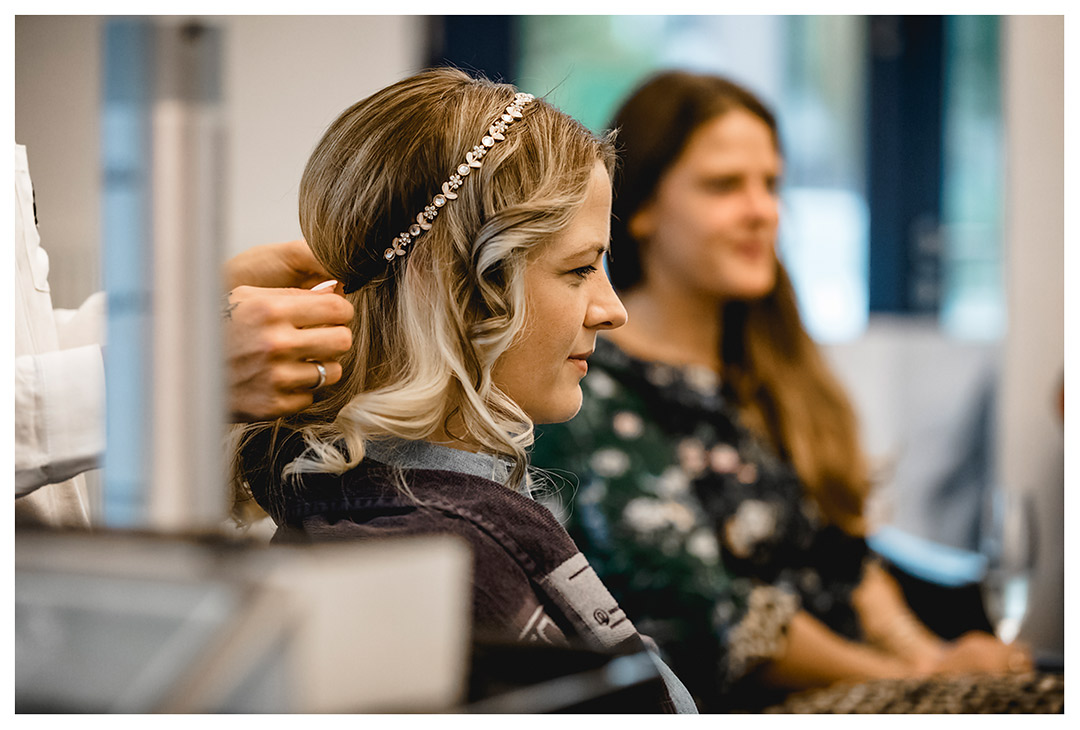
pixel 770 366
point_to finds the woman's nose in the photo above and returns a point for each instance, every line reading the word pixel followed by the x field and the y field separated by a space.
pixel 762 202
pixel 606 310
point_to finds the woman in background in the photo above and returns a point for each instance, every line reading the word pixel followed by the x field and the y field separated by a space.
pixel 469 224
pixel 721 483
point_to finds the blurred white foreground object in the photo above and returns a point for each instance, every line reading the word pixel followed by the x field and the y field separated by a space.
pixel 133 623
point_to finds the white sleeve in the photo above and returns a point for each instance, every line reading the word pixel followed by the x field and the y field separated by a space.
pixel 59 416
pixel 82 326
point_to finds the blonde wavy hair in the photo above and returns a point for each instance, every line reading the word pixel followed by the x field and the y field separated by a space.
pixel 430 325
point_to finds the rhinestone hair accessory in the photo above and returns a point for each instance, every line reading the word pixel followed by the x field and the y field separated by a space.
pixel 473 160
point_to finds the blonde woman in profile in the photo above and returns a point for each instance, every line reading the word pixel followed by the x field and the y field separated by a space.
pixel 469 224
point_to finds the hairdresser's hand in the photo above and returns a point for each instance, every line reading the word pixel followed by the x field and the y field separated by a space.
pixel 275 265
pixel 977 652
pixel 272 335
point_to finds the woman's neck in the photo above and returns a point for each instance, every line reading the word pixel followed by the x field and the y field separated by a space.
pixel 442 437
pixel 671 326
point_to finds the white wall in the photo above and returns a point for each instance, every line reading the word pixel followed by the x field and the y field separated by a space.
pixel 57 93
pixel 286 79
pixel 1032 454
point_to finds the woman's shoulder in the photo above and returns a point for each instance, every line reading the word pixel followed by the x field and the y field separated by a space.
pixel 368 501
pixel 521 526
pixel 514 542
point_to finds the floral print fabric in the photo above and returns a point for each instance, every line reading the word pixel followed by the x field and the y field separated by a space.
pixel 702 534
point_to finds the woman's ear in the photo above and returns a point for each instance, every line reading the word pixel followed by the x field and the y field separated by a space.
pixel 642 224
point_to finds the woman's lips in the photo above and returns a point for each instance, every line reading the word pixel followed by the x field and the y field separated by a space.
pixel 579 361
pixel 753 249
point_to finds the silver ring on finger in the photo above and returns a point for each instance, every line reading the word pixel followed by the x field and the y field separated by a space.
pixel 322 374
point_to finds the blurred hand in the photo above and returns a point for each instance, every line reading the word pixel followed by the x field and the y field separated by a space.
pixel 271 335
pixel 979 652
pixel 288 264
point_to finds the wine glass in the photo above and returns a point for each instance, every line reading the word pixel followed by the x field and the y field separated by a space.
pixel 1009 547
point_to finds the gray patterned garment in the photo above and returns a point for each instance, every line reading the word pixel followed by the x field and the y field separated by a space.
pixel 703 535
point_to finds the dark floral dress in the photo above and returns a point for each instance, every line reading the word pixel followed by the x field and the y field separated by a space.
pixel 703 535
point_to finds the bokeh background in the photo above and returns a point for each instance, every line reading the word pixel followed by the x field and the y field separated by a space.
pixel 923 203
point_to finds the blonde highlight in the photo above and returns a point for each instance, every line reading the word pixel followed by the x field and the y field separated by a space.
pixel 431 325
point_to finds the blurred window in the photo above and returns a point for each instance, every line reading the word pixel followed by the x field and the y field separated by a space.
pixel 973 301
pixel 816 72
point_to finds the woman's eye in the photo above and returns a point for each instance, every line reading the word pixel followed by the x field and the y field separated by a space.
pixel 723 184
pixel 584 272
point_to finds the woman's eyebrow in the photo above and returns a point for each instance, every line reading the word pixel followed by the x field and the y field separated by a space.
pixel 596 249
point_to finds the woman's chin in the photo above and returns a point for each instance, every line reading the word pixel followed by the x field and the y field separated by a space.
pixel 558 410
pixel 752 287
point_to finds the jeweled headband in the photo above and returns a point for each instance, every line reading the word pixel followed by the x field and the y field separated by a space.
pixel 473 159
